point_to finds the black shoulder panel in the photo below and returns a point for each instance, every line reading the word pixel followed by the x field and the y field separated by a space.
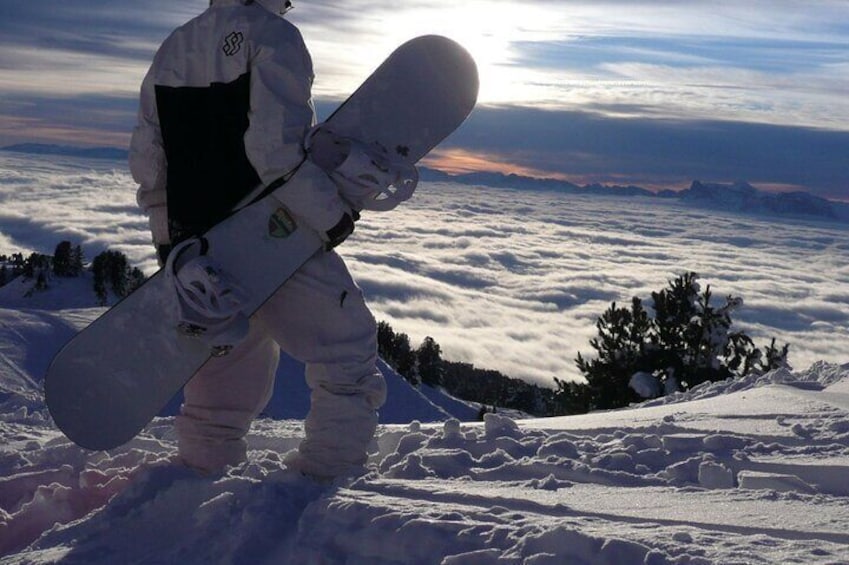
pixel 203 132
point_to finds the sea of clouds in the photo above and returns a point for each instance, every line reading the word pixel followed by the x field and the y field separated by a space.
pixel 506 279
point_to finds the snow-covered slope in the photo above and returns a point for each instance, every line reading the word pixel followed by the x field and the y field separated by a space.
pixel 34 325
pixel 747 471
pixel 751 476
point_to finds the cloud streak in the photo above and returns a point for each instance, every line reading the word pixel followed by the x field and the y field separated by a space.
pixel 650 93
pixel 588 147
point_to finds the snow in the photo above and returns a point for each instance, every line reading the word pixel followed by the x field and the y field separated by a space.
pixel 687 482
pixel 750 471
pixel 745 471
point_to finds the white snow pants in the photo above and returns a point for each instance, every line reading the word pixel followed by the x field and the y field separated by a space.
pixel 320 318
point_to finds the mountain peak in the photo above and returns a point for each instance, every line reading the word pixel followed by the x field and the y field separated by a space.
pixel 741 196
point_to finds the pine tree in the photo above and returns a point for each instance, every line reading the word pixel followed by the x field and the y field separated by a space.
pixel 689 341
pixel 35 264
pixel 76 267
pixel 621 351
pixel 112 271
pixel 62 259
pixel 385 335
pixel 135 279
pixel 395 349
pixel 773 357
pixel 405 358
pixel 429 358
pixel 118 273
pixel 693 339
pixel 98 269
pixel 571 397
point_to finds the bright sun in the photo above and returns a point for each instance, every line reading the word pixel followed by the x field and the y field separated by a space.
pixel 488 30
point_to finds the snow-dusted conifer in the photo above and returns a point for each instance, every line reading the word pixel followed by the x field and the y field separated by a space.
pixel 689 341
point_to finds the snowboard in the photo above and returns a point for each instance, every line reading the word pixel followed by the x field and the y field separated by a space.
pixel 109 381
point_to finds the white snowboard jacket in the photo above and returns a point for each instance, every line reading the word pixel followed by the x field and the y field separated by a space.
pixel 224 109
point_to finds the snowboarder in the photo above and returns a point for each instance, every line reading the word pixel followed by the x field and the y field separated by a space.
pixel 224 109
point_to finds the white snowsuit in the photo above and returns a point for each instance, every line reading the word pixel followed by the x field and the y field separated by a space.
pixel 223 110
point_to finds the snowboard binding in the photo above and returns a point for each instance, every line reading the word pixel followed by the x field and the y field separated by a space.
pixel 209 300
pixel 367 176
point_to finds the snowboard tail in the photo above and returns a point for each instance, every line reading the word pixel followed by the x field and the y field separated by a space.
pixel 115 376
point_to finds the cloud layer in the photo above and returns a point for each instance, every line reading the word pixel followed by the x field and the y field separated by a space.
pixel 515 280
pixel 508 280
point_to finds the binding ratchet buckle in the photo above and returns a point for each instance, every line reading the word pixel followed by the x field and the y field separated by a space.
pixel 368 176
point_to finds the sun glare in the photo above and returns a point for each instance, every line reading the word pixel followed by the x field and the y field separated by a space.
pixel 485 33
pixel 489 30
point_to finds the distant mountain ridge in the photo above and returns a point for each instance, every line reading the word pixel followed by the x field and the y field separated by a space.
pixel 743 197
pixel 68 151
pixel 738 197
pixel 500 180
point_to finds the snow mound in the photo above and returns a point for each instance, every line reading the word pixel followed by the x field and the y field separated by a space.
pixel 818 377
pixel 692 482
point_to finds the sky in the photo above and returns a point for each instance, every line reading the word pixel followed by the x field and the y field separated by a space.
pixel 619 92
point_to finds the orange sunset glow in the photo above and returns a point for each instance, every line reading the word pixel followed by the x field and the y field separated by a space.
pixel 461 161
